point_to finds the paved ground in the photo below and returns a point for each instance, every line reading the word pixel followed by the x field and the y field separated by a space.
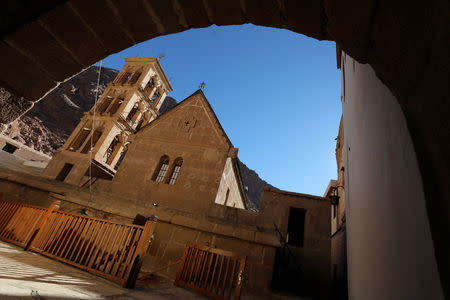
pixel 27 275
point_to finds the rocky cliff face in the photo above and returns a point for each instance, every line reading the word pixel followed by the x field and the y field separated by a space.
pixel 51 121
pixel 253 184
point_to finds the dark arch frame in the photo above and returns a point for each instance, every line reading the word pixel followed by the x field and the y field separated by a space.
pixel 405 43
pixel 164 161
pixel 175 171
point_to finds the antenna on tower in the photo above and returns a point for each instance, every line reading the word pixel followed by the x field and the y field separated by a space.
pixel 202 85
pixel 162 55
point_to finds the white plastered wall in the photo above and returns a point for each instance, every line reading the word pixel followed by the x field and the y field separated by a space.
pixel 390 250
pixel 229 182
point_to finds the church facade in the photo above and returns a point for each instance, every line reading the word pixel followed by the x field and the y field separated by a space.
pixel 179 158
pixel 127 160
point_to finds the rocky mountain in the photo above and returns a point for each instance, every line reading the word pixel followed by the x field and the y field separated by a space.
pixel 253 184
pixel 47 125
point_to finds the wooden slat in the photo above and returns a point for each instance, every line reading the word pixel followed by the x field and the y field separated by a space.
pixel 18 221
pixel 211 272
pixel 109 249
pixel 138 256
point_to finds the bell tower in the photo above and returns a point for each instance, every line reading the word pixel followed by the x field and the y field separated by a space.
pixel 97 145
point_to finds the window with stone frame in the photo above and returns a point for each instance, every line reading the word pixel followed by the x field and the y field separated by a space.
pixel 161 170
pixel 175 170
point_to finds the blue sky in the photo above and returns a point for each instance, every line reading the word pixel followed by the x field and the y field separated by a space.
pixel 275 92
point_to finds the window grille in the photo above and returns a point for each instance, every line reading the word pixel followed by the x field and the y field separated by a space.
pixel 176 171
pixel 162 172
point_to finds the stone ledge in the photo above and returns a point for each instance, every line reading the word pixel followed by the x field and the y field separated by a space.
pixel 124 208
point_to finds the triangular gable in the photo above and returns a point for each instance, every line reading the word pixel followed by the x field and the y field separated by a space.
pixel 231 191
pixel 240 182
pixel 198 98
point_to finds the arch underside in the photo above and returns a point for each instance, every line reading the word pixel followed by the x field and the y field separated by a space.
pixel 406 43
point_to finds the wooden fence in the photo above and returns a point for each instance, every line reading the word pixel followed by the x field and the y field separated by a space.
pixel 112 250
pixel 212 272
pixel 17 221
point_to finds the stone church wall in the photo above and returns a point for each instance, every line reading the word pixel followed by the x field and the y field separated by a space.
pixel 244 232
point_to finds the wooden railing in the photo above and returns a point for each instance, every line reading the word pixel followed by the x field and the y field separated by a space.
pixel 212 272
pixel 112 250
pixel 17 221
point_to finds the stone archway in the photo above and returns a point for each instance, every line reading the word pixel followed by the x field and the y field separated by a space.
pixel 406 43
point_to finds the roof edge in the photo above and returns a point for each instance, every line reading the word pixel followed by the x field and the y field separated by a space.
pixel 269 189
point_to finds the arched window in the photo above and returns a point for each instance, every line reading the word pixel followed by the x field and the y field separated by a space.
pixel 156 95
pixel 175 170
pixel 135 77
pixel 161 170
pixel 132 112
pixel 104 104
pixel 93 141
pixel 112 149
pixel 117 103
pixel 81 137
pixel 149 86
pixel 124 77
pixel 151 83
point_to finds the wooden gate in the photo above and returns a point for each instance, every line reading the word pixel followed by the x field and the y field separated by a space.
pixel 212 272
pixel 112 250
pixel 18 221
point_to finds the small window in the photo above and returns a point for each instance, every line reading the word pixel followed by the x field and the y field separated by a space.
pixel 176 170
pixel 10 148
pixel 296 227
pixel 161 170
pixel 64 172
